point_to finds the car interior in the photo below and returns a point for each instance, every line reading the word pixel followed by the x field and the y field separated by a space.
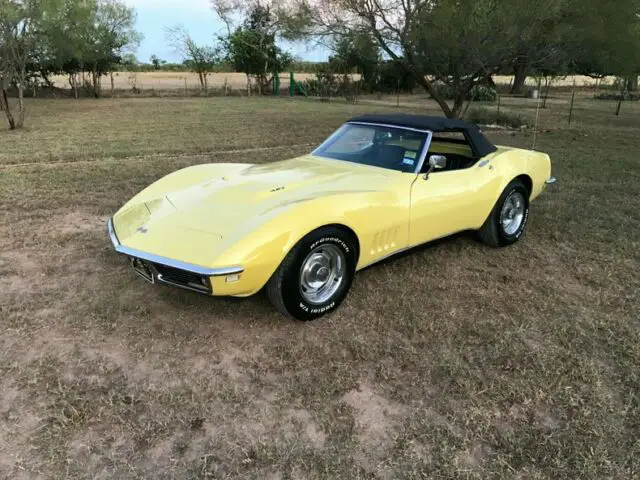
pixel 455 147
pixel 400 150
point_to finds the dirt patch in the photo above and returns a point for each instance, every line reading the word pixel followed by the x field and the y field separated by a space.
pixel 471 458
pixel 74 222
pixel 15 445
pixel 378 420
pixel 310 431
pixel 376 417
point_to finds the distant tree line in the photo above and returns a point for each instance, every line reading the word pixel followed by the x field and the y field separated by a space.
pixel 452 47
pixel 449 48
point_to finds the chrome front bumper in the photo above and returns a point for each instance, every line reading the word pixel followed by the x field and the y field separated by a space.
pixel 166 270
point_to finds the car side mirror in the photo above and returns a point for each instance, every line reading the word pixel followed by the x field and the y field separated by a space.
pixel 436 162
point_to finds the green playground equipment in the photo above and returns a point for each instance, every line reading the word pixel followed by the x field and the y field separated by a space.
pixel 276 84
pixel 296 87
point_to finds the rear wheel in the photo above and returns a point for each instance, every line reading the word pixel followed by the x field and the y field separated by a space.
pixel 508 219
pixel 315 277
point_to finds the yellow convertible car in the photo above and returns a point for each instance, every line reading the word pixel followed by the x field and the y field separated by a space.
pixel 301 228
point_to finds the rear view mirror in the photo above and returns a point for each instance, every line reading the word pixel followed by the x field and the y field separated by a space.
pixel 436 162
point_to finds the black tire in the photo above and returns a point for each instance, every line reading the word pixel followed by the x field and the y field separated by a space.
pixel 493 232
pixel 284 287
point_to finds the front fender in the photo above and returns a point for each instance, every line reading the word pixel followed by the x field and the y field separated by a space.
pixel 264 243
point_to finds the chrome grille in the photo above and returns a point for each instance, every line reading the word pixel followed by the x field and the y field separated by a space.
pixel 172 276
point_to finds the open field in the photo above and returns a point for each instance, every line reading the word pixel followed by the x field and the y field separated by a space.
pixel 176 80
pixel 456 361
pixel 238 81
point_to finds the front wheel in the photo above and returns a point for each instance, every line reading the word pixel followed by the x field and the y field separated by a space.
pixel 508 219
pixel 315 277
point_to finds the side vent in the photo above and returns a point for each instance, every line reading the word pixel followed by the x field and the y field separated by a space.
pixel 384 240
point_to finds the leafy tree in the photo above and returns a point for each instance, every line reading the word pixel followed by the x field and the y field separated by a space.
pixel 357 51
pixel 18 39
pixel 109 35
pixel 157 62
pixel 128 60
pixel 541 37
pixel 458 43
pixel 252 48
pixel 200 58
pixel 608 41
pixel 79 36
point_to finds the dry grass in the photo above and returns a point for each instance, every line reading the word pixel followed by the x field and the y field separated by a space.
pixel 176 80
pixel 454 361
pixel 238 81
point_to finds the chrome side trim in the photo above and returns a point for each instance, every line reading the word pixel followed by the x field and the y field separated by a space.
pixel 551 181
pixel 397 252
pixel 169 262
pixel 425 151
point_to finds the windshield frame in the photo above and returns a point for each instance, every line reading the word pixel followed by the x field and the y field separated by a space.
pixel 423 153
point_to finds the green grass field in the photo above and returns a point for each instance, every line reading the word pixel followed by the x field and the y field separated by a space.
pixel 456 361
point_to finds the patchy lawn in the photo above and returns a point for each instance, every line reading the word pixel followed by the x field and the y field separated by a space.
pixel 454 361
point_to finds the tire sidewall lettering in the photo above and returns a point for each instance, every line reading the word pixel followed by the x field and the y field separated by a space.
pixel 296 302
pixel 314 311
pixel 334 240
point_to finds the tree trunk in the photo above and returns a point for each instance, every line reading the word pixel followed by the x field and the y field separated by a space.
pixel 431 90
pixel 519 77
pixel 20 121
pixel 95 80
pixel 458 105
pixel 112 83
pixel 632 84
pixel 7 110
pixel 73 80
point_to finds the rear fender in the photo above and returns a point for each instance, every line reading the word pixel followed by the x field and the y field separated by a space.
pixel 516 162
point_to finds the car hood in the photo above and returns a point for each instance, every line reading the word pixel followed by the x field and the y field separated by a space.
pixel 203 214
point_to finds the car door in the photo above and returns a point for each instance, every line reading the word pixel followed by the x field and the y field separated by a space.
pixel 451 201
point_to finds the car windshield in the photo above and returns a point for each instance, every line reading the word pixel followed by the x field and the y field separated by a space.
pixel 375 145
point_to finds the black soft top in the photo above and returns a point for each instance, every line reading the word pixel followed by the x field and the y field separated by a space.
pixel 480 145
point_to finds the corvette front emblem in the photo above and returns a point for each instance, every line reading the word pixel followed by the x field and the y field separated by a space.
pixel 142 230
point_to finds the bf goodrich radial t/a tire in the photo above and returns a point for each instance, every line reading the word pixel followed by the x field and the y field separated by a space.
pixel 315 277
pixel 508 219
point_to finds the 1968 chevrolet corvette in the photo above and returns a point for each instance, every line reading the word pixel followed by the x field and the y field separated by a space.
pixel 301 228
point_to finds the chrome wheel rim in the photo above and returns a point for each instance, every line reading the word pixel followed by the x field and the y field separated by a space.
pixel 322 273
pixel 512 214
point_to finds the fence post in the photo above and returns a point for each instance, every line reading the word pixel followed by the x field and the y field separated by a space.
pixel 547 87
pixel 573 97
pixel 292 84
pixel 185 86
pixel 619 106
pixel 499 97
pixel 398 94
